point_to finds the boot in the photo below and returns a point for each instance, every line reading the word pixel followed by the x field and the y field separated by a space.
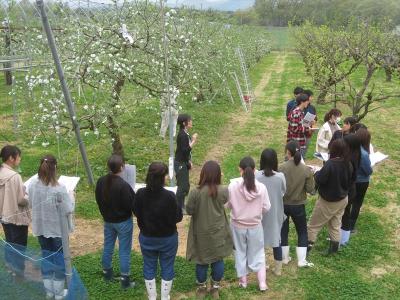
pixel 107 274
pixel 278 268
pixel 262 279
pixel 333 247
pixel 243 281
pixel 301 257
pixel 285 255
pixel 126 282
pixel 58 288
pixel 344 237
pixel 166 287
pixel 214 291
pixel 201 291
pixel 48 287
pixel 151 289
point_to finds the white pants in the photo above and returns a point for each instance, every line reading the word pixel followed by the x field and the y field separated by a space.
pixel 165 121
pixel 249 249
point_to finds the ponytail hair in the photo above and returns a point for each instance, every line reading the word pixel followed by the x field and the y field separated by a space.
pixel 47 170
pixel 294 150
pixel 155 178
pixel 269 162
pixel 183 120
pixel 114 164
pixel 248 165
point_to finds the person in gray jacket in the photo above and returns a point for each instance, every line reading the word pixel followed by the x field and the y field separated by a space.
pixel 273 219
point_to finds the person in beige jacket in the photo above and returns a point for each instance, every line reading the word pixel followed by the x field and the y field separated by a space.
pixel 14 209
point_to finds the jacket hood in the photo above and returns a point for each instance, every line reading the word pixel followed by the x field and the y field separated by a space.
pixel 249 196
pixel 6 173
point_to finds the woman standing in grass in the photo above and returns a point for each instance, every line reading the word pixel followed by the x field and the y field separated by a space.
pixel 183 157
pixel 115 199
pixel 157 213
pixel 327 130
pixel 248 200
pixel 273 219
pixel 363 175
pixel 333 182
pixel 45 194
pixel 299 182
pixel 14 209
pixel 209 238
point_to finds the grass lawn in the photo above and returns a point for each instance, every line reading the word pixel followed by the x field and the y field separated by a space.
pixel 368 268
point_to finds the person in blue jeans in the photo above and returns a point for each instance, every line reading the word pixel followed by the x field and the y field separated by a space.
pixel 115 199
pixel 45 194
pixel 157 213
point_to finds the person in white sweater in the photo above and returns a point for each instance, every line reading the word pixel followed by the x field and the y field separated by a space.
pixel 45 194
pixel 327 130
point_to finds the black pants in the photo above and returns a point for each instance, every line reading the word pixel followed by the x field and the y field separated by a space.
pixel 277 253
pixel 346 215
pixel 298 215
pixel 361 190
pixel 182 182
pixel 17 236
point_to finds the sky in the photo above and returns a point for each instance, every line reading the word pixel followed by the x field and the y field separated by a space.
pixel 214 4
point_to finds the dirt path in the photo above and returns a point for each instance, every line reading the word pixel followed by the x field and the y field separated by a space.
pixel 238 119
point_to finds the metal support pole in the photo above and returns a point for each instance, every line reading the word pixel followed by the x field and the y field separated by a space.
pixel 63 218
pixel 167 78
pixel 67 95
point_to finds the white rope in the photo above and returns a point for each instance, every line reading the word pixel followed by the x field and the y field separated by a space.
pixel 26 256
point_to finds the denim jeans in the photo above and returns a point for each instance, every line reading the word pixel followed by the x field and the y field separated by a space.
pixel 17 237
pixel 298 215
pixel 361 190
pixel 161 249
pixel 217 271
pixel 53 266
pixel 123 231
pixel 277 253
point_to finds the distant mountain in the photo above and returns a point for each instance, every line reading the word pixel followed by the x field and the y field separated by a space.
pixel 228 5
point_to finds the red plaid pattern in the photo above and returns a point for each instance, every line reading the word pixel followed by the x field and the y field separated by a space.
pixel 296 130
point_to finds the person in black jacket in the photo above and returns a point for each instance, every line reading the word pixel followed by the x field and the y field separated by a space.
pixel 157 213
pixel 333 182
pixel 183 157
pixel 115 199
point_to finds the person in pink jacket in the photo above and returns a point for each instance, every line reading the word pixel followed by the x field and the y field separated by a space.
pixel 248 200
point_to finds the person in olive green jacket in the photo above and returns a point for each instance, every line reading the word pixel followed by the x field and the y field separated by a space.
pixel 209 238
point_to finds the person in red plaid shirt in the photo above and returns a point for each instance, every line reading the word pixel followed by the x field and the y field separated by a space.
pixel 296 131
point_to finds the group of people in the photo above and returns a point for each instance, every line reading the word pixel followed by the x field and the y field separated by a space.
pixel 19 209
pixel 259 203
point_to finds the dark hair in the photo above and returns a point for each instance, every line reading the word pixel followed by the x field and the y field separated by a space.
pixel 48 170
pixel 183 120
pixel 339 148
pixel 294 150
pixel 333 112
pixel 9 150
pixel 155 178
pixel 114 164
pixel 210 176
pixel 356 127
pixel 269 162
pixel 301 98
pixel 298 90
pixel 309 93
pixel 350 120
pixel 248 165
pixel 365 138
pixel 353 142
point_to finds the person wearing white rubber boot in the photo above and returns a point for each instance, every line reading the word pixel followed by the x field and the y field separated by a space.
pixel 158 240
pixel 248 201
pixel 299 182
pixel 44 193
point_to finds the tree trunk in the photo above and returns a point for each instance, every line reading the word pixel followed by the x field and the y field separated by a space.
pixel 388 73
pixel 7 41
